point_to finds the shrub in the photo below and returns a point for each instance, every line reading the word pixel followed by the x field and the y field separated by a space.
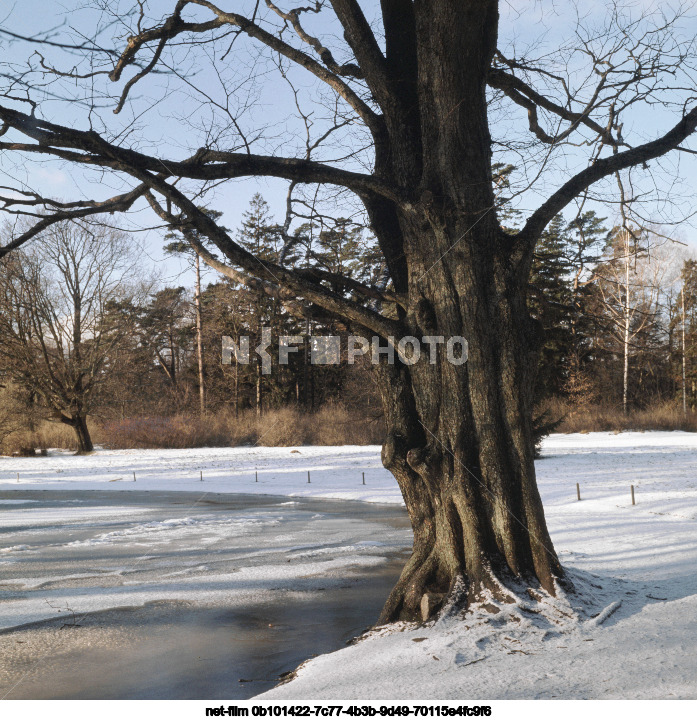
pixel 331 425
pixel 47 435
pixel 664 416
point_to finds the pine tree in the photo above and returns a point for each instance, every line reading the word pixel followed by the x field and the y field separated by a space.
pixel 551 304
pixel 264 239
pixel 166 328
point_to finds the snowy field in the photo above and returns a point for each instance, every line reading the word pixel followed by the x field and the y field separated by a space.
pixel 631 632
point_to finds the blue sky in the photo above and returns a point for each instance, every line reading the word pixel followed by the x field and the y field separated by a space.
pixel 168 123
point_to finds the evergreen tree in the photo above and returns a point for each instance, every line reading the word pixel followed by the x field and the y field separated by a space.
pixel 166 330
pixel 340 251
pixel 264 239
pixel 551 304
pixel 586 237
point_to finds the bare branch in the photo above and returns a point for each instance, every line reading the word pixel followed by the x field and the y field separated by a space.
pixel 174 26
pixel 64 211
pixel 600 169
pixel 270 272
pixel 293 17
pixel 526 97
pixel 206 164
pixel 366 49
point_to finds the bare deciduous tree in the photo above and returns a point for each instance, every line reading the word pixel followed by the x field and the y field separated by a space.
pixel 411 109
pixel 630 282
pixel 56 334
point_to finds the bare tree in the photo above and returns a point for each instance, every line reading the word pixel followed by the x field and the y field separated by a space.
pixel 56 334
pixel 669 260
pixel 408 113
pixel 630 283
pixel 183 247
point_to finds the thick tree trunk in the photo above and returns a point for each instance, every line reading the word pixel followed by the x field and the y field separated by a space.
pixel 460 442
pixel 84 440
pixel 459 438
pixel 78 423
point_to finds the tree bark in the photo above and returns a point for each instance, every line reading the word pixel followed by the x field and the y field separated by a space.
pixel 460 439
pixel 84 440
pixel 78 422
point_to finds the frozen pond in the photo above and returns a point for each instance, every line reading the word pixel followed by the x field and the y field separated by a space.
pixel 183 595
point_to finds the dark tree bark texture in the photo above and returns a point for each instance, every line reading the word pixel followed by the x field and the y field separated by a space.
pixel 78 423
pixel 460 438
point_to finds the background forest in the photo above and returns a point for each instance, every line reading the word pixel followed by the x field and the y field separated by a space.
pixel 93 350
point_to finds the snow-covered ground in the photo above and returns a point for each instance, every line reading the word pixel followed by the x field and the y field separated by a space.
pixel 335 472
pixel 634 566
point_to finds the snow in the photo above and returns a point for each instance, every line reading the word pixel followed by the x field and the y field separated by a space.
pixel 335 472
pixel 519 653
pixel 630 631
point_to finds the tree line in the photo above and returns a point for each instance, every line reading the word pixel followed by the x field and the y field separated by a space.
pixel 82 334
pixel 617 308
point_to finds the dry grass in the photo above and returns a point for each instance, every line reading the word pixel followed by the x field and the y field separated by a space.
pixel 47 435
pixel 666 416
pixel 161 432
pixel 332 425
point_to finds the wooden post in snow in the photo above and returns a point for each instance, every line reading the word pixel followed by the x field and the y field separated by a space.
pixel 633 503
pixel 578 491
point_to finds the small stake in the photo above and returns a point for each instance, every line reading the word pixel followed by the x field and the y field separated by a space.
pixel 633 503
pixel 308 476
pixel 364 478
pixel 134 476
pixel 18 478
pixel 201 476
pixel 256 476
pixel 578 492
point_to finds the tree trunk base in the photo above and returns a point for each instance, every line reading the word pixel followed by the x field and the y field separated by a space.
pixel 414 601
